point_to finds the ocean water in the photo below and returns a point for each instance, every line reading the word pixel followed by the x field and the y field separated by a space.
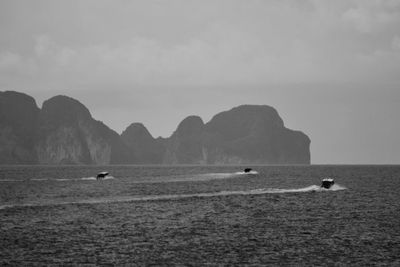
pixel 199 215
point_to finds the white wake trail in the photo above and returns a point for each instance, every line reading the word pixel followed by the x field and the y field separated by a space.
pixel 312 188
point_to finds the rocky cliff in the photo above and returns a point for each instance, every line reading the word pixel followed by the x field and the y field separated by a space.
pixel 64 132
pixel 18 120
pixel 186 143
pixel 252 134
pixel 146 149
pixel 67 134
pixel 248 134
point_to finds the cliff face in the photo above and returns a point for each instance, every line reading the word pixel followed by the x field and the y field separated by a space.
pixel 64 132
pixel 67 134
pixel 18 116
pixel 246 134
pixel 185 145
pixel 145 148
pixel 253 134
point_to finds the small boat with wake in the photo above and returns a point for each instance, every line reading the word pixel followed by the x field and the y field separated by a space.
pixel 101 175
pixel 327 183
pixel 248 171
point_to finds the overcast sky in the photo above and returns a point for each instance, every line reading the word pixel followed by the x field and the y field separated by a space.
pixel 330 68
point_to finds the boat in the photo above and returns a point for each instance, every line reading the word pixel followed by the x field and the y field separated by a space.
pixel 327 183
pixel 247 170
pixel 101 175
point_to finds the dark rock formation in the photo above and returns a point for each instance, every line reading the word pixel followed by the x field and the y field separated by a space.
pixel 67 134
pixel 18 116
pixel 146 149
pixel 247 134
pixel 64 132
pixel 252 134
pixel 185 146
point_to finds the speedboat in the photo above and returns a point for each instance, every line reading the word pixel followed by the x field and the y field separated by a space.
pixel 327 183
pixel 101 175
pixel 249 171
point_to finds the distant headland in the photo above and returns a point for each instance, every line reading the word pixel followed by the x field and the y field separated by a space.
pixel 64 132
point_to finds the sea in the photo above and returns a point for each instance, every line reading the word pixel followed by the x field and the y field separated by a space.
pixel 200 216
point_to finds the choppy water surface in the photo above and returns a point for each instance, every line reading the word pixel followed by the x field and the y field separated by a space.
pixel 191 215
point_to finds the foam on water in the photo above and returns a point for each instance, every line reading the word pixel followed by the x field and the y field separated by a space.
pixel 196 177
pixel 58 179
pixel 260 191
pixel 247 173
pixel 88 178
pixel 167 179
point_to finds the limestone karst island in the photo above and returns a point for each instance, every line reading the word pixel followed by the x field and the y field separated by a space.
pixel 64 132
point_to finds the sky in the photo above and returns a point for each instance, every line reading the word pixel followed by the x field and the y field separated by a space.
pixel 330 68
